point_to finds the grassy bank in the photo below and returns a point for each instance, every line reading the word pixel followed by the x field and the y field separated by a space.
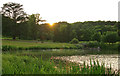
pixel 102 45
pixel 30 45
pixel 37 45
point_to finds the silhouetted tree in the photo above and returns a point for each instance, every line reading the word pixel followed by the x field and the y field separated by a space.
pixel 15 12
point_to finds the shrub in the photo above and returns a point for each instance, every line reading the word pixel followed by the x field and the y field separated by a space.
pixel 6 48
pixel 96 37
pixel 93 44
pixel 74 41
pixel 110 37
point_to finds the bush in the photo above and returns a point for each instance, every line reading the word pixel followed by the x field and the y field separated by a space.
pixel 6 48
pixel 93 44
pixel 96 37
pixel 74 41
pixel 110 37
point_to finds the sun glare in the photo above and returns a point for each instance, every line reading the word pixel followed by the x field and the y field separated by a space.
pixel 51 24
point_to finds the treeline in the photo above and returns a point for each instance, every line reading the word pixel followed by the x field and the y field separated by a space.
pixel 61 31
pixel 30 28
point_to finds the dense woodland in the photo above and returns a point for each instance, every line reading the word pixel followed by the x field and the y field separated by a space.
pixel 17 24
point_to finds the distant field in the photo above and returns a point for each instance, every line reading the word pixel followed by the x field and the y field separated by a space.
pixel 36 44
pixel 28 43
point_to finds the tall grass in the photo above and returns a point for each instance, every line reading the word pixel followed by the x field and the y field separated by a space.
pixel 13 64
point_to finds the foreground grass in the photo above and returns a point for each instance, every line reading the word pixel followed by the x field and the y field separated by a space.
pixel 25 65
pixel 13 64
pixel 27 44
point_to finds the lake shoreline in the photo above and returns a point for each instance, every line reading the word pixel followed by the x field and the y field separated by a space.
pixel 106 59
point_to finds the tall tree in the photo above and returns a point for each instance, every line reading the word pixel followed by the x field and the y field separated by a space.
pixel 38 18
pixel 15 12
pixel 33 25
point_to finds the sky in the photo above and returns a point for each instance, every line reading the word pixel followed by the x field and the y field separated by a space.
pixel 70 10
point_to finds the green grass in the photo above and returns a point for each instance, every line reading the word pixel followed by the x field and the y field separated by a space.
pixel 13 64
pixel 46 54
pixel 31 44
pixel 38 62
pixel 25 65
pixel 24 57
pixel 6 38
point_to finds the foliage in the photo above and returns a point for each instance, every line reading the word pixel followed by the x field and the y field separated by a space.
pixel 93 44
pixel 74 41
pixel 108 46
pixel 7 23
pixel 25 65
pixel 96 37
pixel 15 12
pixel 110 37
pixel 59 32
pixel 13 64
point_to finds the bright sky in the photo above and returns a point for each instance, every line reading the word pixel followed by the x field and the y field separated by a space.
pixel 70 10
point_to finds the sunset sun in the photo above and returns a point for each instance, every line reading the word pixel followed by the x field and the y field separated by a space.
pixel 51 24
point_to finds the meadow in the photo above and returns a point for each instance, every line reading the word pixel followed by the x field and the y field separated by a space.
pixel 9 44
pixel 33 44
pixel 40 61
